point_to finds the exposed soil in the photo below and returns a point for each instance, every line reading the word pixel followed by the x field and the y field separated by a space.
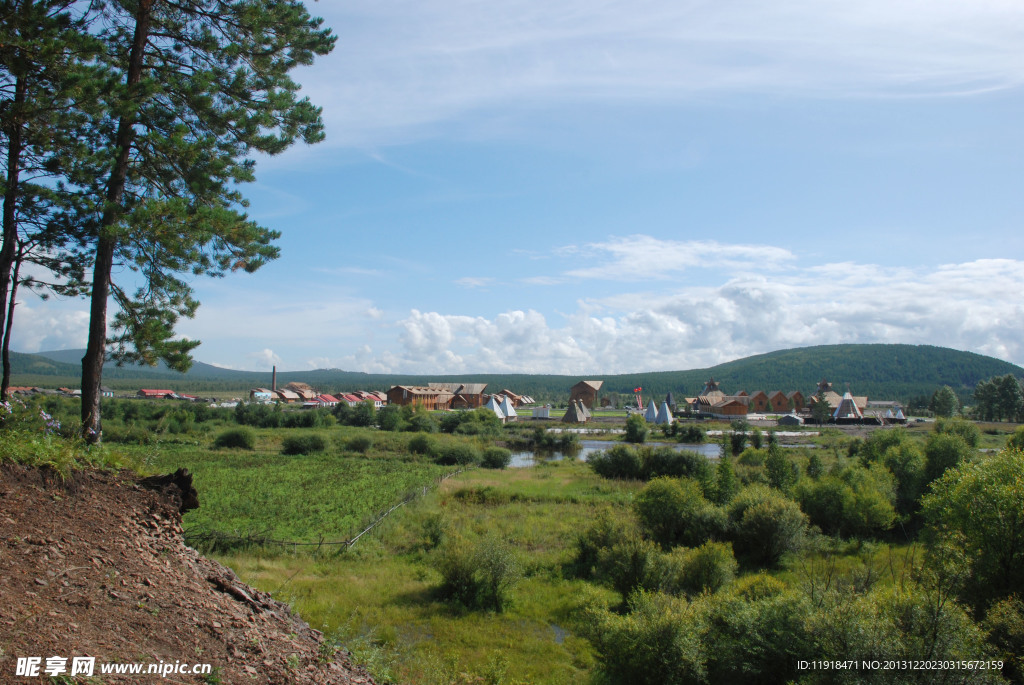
pixel 96 566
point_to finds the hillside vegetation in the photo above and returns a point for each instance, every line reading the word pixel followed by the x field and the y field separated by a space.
pixel 883 371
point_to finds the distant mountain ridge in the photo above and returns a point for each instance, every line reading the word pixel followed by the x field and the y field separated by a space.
pixel 883 371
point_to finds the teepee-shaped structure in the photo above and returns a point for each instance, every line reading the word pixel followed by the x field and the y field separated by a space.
pixel 651 413
pixel 577 413
pixel 494 406
pixel 664 414
pixel 507 409
pixel 847 409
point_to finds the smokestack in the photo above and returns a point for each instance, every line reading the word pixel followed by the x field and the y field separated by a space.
pixel 273 380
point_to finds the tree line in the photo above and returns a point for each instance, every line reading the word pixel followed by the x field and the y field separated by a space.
pixel 127 128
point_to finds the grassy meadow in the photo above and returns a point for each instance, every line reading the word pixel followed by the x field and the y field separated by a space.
pixel 644 565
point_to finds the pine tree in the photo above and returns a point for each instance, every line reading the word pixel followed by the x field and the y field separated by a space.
pixel 45 67
pixel 198 86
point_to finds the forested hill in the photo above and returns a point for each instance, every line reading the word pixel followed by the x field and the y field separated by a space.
pixel 879 371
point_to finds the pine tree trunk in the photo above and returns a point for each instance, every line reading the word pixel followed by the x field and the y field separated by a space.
pixel 95 352
pixel 10 225
pixel 5 384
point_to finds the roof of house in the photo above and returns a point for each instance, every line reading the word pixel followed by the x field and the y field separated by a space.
pixel 595 385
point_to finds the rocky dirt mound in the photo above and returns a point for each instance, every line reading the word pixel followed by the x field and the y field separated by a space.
pixel 96 567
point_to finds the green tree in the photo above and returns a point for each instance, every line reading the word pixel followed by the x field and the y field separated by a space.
pixel 781 472
pixel 193 88
pixel 726 482
pixel 815 467
pixel 977 508
pixel 821 410
pixel 46 54
pixel 944 402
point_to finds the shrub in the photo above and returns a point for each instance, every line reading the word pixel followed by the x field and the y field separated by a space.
pixel 424 444
pixel 359 443
pixel 907 464
pixel 632 563
pixel 815 467
pixel 496 458
pixel 458 453
pixel 691 434
pixel 782 474
pixel 390 418
pixel 134 435
pixel 636 429
pixel 436 529
pixel 944 451
pixel 978 509
pixel 1016 441
pixel 765 524
pixel 674 512
pixel 665 461
pixel 657 642
pixel 752 457
pixel 965 429
pixel 303 444
pixel 737 441
pixel 591 543
pixel 421 421
pixel 707 568
pixel 479 576
pixel 241 438
pixel 757 637
pixel 476 422
pixel 620 462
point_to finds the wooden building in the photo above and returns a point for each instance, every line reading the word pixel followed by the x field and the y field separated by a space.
pixel 585 392
pixel 430 398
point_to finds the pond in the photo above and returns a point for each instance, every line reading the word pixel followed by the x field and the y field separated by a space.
pixel 523 458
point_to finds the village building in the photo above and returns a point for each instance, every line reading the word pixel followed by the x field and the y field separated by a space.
pixel 263 395
pixel 427 397
pixel 288 397
pixel 156 394
pixel 585 392
pixel 796 400
pixel 464 395
pixel 758 402
pixel 778 402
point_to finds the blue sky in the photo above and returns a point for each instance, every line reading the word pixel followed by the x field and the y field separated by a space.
pixel 606 187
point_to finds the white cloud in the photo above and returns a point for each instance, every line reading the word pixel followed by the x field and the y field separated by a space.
pixel 265 358
pixel 475 282
pixel 400 68
pixel 972 306
pixel 643 257
pixel 42 327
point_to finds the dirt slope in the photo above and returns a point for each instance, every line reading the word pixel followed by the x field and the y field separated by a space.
pixel 97 566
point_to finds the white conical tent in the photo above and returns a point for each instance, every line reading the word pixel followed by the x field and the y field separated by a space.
pixel 493 405
pixel 651 413
pixel 664 415
pixel 899 415
pixel 507 408
pixel 847 409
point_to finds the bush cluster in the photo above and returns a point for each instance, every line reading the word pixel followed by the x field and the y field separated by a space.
pixel 303 444
pixel 644 463
pixel 237 438
pixel 477 576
